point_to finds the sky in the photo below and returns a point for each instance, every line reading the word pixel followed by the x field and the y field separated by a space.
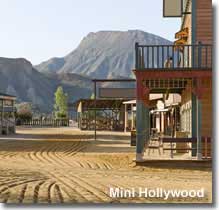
pixel 40 29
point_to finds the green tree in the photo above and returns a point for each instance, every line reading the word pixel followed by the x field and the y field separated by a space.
pixel 61 103
pixel 24 111
pixel 92 96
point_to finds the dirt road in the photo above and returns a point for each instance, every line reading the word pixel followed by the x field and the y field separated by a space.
pixel 48 165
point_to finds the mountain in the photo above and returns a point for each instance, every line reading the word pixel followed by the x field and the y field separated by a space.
pixel 18 77
pixel 105 54
pixel 102 54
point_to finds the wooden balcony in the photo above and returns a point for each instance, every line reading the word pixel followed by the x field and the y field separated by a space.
pixel 173 57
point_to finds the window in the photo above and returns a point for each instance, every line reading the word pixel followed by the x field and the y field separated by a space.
pixel 8 102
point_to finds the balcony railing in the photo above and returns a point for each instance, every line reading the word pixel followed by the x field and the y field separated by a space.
pixel 173 56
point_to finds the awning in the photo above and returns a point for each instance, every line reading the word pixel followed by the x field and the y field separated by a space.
pixel 159 110
pixel 7 97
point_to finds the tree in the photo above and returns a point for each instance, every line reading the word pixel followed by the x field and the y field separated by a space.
pixel 92 96
pixel 61 103
pixel 24 111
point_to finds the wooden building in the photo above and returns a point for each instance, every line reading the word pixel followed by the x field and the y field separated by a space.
pixel 184 68
pixel 109 114
pixel 7 114
pixel 130 111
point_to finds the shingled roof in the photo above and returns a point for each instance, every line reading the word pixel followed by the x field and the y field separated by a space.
pixel 4 96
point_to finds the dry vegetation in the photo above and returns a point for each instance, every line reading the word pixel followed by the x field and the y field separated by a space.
pixel 66 166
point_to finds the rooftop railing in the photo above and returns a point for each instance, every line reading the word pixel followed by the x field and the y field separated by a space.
pixel 197 56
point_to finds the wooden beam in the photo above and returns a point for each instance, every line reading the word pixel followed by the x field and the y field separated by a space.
pixel 194 123
pixel 176 73
pixel 199 128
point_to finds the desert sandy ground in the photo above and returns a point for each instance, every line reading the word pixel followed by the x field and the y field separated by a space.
pixel 64 165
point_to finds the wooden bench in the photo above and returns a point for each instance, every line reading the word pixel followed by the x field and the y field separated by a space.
pixel 173 141
pixel 206 145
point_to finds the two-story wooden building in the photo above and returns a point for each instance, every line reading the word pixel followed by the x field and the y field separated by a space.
pixel 7 114
pixel 184 68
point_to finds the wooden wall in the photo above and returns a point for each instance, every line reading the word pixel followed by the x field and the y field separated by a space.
pixel 204 21
pixel 186 96
pixel 207 110
pixel 206 105
pixel 204 33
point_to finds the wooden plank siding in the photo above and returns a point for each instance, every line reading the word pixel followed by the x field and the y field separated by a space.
pixel 207 110
pixel 206 100
pixel 203 33
pixel 204 21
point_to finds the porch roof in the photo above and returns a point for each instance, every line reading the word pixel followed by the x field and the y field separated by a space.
pixel 7 96
pixel 98 104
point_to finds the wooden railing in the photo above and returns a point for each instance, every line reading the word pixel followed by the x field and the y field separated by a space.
pixel 8 122
pixel 46 123
pixel 206 145
pixel 173 56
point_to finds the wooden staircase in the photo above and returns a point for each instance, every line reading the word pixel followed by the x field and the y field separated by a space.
pixel 7 126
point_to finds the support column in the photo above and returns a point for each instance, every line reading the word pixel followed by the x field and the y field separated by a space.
pixel 160 118
pixel 165 123
pixel 126 119
pixel 132 116
pixel 199 128
pixel 198 92
pixel 155 120
pixel 95 111
pixel 162 122
pixel 142 129
pixel 14 118
pixel 1 116
pixel 194 124
pixel 152 116
pixel 142 119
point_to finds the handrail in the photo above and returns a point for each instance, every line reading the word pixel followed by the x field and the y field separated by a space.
pixel 197 56
pixel 8 122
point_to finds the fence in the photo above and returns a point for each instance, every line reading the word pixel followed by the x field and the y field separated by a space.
pixel 42 123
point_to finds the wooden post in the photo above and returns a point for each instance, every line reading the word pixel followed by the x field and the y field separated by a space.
pixel 14 118
pixel 1 116
pixel 132 117
pixel 136 56
pixel 194 124
pixel 155 119
pixel 206 147
pixel 142 129
pixel 160 122
pixel 95 113
pixel 143 119
pixel 199 122
pixel 126 119
pixel 165 122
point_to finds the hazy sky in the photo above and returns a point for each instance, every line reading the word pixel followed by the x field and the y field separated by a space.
pixel 41 29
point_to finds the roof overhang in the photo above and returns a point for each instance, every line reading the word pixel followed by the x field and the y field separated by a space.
pixel 7 97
